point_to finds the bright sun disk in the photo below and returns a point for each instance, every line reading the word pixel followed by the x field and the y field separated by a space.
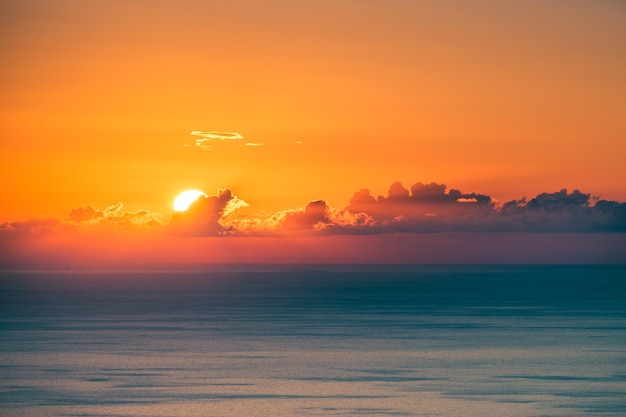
pixel 184 199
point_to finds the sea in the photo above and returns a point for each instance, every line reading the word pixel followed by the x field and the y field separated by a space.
pixel 315 340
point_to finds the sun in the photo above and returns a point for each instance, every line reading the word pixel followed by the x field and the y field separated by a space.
pixel 184 199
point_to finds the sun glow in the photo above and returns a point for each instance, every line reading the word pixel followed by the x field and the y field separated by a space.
pixel 184 199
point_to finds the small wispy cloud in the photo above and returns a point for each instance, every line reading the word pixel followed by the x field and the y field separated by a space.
pixel 254 144
pixel 205 139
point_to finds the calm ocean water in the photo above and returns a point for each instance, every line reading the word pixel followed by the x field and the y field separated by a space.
pixel 278 341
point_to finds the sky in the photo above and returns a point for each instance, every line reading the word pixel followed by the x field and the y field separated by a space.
pixel 326 131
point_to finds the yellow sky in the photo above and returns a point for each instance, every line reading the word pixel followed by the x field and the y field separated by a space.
pixel 98 100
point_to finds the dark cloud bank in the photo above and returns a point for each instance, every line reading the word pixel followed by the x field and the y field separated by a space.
pixel 433 208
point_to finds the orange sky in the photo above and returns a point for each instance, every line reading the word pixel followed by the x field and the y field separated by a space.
pixel 98 100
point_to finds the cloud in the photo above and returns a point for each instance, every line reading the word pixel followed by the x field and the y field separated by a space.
pixel 113 216
pixel 307 219
pixel 562 212
pixel 203 216
pixel 429 208
pixel 205 139
pixel 424 208
pixel 29 228
pixel 423 214
pixel 421 208
pixel 315 213
pixel 254 144
pixel 83 214
pixel 315 218
pixel 422 201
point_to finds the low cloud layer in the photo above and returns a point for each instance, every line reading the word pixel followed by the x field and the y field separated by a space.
pixel 562 212
pixel 112 219
pixel 431 208
pixel 421 208
pixel 115 216
pixel 422 223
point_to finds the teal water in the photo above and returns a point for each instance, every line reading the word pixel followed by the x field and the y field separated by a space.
pixel 315 341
